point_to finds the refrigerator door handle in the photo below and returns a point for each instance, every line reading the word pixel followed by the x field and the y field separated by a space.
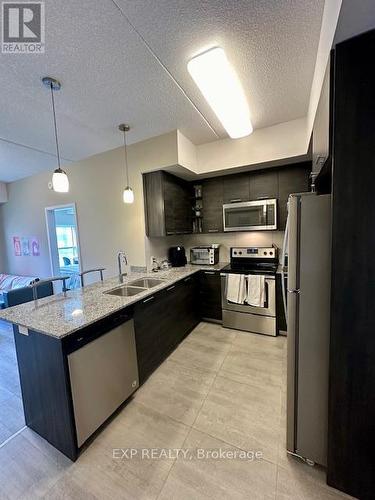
pixel 283 267
pixel 294 290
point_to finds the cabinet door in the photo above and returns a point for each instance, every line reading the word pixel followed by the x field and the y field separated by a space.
pixel 210 295
pixel 149 324
pixel 189 299
pixel 162 321
pixel 177 205
pixel 293 179
pixel 154 203
pixel 173 327
pixel 212 193
pixel 236 188
pixel 263 185
pixel 183 209
pixel 171 194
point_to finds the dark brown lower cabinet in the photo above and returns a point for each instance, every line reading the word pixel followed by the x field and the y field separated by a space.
pixel 162 321
pixel 45 381
pixel 210 295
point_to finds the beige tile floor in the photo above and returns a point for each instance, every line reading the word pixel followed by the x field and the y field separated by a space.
pixel 220 390
pixel 11 409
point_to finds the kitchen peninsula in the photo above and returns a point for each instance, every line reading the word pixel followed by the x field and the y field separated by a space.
pixel 82 355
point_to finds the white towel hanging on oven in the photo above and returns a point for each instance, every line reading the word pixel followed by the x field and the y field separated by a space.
pixel 236 288
pixel 256 293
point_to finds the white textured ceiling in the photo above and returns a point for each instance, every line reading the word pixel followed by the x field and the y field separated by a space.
pixel 125 60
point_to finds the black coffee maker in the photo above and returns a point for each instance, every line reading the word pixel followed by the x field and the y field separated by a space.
pixel 177 256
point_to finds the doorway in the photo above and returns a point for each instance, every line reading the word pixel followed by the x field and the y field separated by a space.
pixel 63 240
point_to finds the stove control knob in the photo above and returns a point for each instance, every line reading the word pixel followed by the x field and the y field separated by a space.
pixel 240 253
pixel 265 253
pixel 271 253
pixel 235 253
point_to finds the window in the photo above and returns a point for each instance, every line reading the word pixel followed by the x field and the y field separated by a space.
pixel 63 240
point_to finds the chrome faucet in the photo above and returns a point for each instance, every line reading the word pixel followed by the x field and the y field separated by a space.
pixel 121 258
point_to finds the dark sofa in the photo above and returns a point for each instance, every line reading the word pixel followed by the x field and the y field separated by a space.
pixel 25 294
pixel 15 290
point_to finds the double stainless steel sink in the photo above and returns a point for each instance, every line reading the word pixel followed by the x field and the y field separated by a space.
pixel 135 287
pixel 147 282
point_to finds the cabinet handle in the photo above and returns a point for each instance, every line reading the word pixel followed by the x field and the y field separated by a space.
pixel 235 200
pixel 171 232
pixel 209 272
pixel 148 300
pixel 171 288
pixel 213 230
pixel 187 279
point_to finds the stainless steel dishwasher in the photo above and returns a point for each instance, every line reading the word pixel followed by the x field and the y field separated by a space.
pixel 103 374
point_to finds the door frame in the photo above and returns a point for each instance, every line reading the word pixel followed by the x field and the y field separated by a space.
pixel 54 207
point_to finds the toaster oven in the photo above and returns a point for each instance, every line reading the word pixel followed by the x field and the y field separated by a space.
pixel 204 255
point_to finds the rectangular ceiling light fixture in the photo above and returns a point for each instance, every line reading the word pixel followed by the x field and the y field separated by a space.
pixel 220 86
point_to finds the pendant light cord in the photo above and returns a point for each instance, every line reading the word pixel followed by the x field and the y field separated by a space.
pixel 54 123
pixel 126 160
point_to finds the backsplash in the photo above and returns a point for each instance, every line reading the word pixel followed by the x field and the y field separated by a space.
pixel 158 247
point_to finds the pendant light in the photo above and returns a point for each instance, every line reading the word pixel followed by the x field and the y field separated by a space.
pixel 60 181
pixel 128 194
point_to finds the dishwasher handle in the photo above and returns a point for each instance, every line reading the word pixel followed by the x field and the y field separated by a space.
pixel 86 335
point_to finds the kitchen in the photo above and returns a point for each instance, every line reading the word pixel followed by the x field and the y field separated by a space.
pixel 199 316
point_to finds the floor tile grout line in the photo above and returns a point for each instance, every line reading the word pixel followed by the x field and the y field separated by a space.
pixel 192 428
pixel 198 412
pixel 12 437
pixel 205 399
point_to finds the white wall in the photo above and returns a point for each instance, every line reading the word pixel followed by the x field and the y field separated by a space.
pixel 321 126
pixel 286 140
pixel 106 224
pixel 3 192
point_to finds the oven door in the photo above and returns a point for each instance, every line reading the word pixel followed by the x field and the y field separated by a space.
pixel 257 215
pixel 269 308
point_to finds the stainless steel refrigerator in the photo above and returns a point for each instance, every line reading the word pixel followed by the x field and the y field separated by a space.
pixel 307 245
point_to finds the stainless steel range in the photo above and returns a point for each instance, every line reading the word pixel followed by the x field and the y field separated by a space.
pixel 246 261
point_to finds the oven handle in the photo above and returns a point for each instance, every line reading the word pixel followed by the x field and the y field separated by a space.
pixel 224 283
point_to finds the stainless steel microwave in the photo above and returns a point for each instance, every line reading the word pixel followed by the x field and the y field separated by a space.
pixel 258 215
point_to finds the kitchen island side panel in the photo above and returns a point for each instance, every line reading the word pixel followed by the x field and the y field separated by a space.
pixel 45 389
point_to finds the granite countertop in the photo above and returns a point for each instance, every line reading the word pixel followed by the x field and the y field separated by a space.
pixel 59 315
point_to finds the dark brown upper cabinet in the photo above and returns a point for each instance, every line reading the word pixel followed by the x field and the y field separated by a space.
pixel 168 204
pixel 213 198
pixel 294 179
pixel 264 184
pixel 236 188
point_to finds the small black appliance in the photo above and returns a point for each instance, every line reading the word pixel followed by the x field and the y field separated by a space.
pixel 177 256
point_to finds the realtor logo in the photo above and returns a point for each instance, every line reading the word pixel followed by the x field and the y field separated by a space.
pixel 23 27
